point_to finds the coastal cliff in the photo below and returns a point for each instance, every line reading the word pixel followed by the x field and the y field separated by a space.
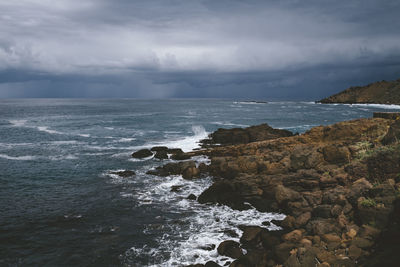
pixel 383 92
pixel 338 185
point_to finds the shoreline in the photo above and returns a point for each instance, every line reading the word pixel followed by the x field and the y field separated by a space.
pixel 333 183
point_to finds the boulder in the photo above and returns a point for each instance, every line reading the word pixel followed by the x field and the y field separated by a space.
pixel 162 154
pixel 336 154
pixel 230 248
pixel 143 153
pixel 293 236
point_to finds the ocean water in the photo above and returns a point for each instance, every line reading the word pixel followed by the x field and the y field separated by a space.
pixel 60 206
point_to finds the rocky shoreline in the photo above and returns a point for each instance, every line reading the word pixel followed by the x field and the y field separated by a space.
pixel 339 186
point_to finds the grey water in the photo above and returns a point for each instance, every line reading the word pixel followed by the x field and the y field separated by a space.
pixel 61 206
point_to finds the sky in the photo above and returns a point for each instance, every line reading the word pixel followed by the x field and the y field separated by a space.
pixel 267 49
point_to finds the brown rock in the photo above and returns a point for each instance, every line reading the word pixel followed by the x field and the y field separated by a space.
pixel 190 173
pixel 303 219
pixel 230 248
pixel 336 154
pixel 284 194
pixel 293 236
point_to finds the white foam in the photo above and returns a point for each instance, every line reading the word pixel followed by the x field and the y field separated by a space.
pixel 383 106
pixel 4 156
pixel 63 157
pixel 187 143
pixel 204 228
pixel 47 130
pixel 84 135
pixel 125 140
pixel 18 123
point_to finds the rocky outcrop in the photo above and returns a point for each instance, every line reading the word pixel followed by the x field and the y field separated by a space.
pixel 244 135
pixel 339 186
pixel 383 92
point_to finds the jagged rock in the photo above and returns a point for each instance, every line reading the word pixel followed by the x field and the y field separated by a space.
pixel 303 219
pixel 172 168
pixel 125 173
pixel 180 156
pixel 143 153
pixel 251 235
pixel 245 135
pixel 230 248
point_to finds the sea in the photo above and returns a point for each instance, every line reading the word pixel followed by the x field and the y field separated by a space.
pixel 60 204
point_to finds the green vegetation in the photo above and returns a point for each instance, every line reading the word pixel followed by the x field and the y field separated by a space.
pixel 368 202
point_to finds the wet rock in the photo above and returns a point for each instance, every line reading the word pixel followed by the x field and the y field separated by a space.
pixel 208 247
pixel 172 168
pixel 191 172
pixel 175 151
pixel 230 248
pixel 143 153
pixel 211 264
pixel 176 188
pixel 125 173
pixel 161 154
pixel 180 156
pixel 223 192
pixel 192 197
pixel 159 148
pixel 251 235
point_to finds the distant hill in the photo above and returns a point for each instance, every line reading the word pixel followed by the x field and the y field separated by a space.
pixel 383 92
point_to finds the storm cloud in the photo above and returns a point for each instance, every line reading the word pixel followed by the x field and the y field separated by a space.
pixel 168 48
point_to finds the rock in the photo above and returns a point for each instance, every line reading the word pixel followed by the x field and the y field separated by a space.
pixel 284 194
pixel 223 192
pixel 354 252
pixel 175 151
pixel 192 197
pixel 322 211
pixel 176 188
pixel 336 154
pixel 251 235
pixel 245 135
pixel 230 248
pixel 172 168
pixel 190 173
pixel 306 242
pixel 282 251
pixel 161 154
pixel 294 236
pixel 180 156
pixel 143 153
pixel 125 173
pixel 328 238
pixel 387 115
pixel 211 264
pixel 393 134
pixel 362 242
pixel 208 247
pixel 303 219
pixel 288 222
pixel 159 148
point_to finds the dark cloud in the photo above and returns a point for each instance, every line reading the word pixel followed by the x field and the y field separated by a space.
pixel 169 48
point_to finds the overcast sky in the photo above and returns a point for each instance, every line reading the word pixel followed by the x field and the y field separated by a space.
pixel 282 49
